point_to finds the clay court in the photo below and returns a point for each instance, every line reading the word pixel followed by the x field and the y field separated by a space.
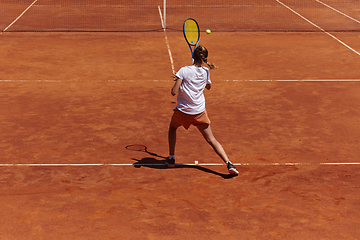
pixel 77 88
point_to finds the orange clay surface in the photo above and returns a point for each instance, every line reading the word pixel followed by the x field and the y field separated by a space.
pixel 82 98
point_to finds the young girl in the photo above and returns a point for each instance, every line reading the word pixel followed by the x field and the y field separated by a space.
pixel 190 82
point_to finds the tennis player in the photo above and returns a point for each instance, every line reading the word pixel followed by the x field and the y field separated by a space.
pixel 190 82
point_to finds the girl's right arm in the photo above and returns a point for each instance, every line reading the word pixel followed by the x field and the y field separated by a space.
pixel 176 87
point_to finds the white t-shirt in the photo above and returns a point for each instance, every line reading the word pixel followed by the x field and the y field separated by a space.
pixel 190 99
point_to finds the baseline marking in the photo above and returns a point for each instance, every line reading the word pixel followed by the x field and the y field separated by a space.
pixel 297 80
pixel 166 40
pixel 321 29
pixel 154 164
pixel 338 11
pixel 19 16
pixel 224 80
pixel 31 81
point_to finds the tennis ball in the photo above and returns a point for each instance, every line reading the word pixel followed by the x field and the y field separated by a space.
pixel 208 31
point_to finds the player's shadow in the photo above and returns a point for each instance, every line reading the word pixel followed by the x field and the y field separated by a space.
pixel 150 162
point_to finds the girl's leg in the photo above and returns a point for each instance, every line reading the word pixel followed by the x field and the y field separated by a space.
pixel 170 161
pixel 209 137
pixel 172 137
pixel 172 140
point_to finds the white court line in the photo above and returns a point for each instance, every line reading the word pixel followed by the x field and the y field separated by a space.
pixel 158 164
pixel 167 41
pixel 52 81
pixel 226 80
pixel 319 28
pixel 19 16
pixel 297 80
pixel 338 11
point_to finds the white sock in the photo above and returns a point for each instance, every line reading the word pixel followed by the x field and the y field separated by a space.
pixel 171 156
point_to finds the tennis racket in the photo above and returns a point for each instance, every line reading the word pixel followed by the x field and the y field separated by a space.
pixel 191 33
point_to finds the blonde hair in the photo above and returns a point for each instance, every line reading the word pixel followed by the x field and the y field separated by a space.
pixel 201 54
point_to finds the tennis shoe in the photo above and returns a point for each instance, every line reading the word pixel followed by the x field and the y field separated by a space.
pixel 232 169
pixel 170 162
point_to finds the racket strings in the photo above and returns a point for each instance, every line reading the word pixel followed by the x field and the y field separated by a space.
pixel 191 31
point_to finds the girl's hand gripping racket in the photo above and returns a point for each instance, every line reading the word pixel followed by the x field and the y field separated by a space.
pixel 191 33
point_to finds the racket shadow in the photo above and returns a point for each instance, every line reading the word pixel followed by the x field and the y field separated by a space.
pixel 150 162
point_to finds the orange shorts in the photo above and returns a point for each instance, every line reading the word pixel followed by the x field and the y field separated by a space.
pixel 182 119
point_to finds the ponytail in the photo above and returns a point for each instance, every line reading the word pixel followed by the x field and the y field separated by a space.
pixel 201 54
